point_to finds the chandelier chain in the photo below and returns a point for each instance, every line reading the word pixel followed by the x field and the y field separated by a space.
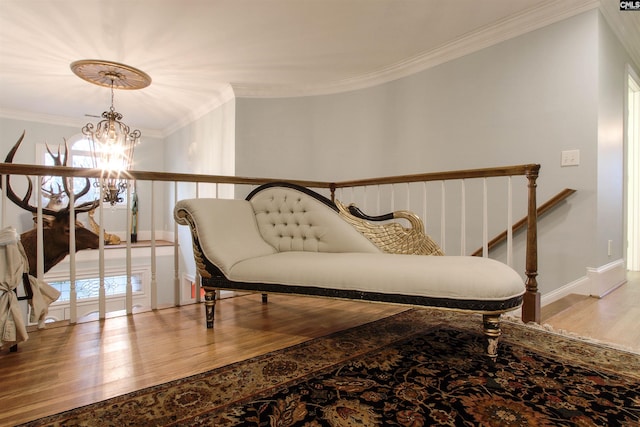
pixel 112 96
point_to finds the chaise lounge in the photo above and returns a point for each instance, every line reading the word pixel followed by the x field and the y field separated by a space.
pixel 288 239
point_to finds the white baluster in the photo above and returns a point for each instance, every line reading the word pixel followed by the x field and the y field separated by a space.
pixel 73 296
pixel 408 196
pixel 485 220
pixel 154 283
pixel 393 198
pixel 463 218
pixel 424 205
pixel 40 235
pixel 102 299
pixel 509 223
pixel 129 286
pixel 3 223
pixel 443 221
pixel 176 252
pixel 197 278
pixel 364 196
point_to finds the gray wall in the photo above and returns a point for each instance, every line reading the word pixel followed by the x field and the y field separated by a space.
pixel 522 101
pixel 610 148
pixel 205 146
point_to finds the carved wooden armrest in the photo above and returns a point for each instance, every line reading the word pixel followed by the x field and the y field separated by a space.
pixel 391 237
pixel 202 265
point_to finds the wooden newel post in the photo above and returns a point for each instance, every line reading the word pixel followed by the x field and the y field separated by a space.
pixel 531 302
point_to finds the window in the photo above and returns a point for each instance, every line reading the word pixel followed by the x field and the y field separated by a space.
pixel 90 288
pixel 80 157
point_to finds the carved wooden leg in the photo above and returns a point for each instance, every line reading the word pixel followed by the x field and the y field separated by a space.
pixel 492 333
pixel 264 298
pixel 209 306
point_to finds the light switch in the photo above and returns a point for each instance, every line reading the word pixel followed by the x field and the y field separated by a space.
pixel 570 158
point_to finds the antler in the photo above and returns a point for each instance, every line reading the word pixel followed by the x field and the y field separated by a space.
pixel 56 158
pixel 87 185
pixel 24 202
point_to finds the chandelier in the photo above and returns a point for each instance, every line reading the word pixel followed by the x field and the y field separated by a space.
pixel 112 142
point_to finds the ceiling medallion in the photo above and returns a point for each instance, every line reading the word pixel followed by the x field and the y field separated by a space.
pixel 110 74
pixel 112 142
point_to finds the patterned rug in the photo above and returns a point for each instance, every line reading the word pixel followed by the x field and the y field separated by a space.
pixel 416 368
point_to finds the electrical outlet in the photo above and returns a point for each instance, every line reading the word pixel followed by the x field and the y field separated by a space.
pixel 570 158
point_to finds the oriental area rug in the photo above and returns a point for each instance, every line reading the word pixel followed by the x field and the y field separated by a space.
pixel 416 368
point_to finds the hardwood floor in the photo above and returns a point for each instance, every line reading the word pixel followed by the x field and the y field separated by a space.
pixel 63 367
pixel 614 318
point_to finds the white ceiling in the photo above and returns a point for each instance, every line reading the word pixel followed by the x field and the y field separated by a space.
pixel 200 52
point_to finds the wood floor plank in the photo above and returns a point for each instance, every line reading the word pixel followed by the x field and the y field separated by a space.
pixel 67 366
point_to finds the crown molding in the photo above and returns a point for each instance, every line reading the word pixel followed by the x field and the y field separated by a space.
pixel 547 13
pixel 52 119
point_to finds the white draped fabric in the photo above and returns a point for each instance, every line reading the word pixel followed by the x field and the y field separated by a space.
pixel 13 263
pixel 12 324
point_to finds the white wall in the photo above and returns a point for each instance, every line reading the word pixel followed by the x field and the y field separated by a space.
pixel 522 101
pixel 205 146
pixel 610 154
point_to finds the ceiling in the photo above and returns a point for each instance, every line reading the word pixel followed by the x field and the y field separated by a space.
pixel 201 53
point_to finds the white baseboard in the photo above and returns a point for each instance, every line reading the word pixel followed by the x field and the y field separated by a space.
pixel 598 282
pixel 581 286
pixel 607 278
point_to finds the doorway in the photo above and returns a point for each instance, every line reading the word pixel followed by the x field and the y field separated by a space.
pixel 632 156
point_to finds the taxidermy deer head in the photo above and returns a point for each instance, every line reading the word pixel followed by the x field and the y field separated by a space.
pixel 55 217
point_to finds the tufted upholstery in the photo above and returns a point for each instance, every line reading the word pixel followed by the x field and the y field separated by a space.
pixel 290 220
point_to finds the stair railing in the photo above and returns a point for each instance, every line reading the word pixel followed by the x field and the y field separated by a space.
pixel 531 306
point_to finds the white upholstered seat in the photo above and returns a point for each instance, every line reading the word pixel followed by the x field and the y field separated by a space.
pixel 287 239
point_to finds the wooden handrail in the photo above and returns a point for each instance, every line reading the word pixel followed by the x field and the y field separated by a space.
pixel 65 171
pixel 531 300
pixel 443 176
pixel 544 208
pixel 37 170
